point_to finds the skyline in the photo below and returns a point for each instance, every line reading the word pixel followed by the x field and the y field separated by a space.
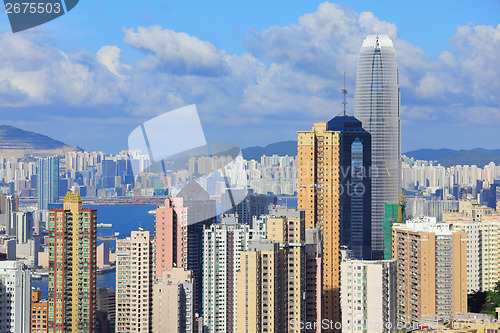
pixel 124 81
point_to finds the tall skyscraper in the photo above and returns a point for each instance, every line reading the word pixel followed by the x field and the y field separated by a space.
pixel 377 106
pixel 432 269
pixel 171 236
pixel 47 190
pixel 355 185
pixel 202 213
pixel 319 197
pixel 72 267
pixel 15 298
pixel 135 276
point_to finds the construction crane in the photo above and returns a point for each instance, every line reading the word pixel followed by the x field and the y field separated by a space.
pixel 401 202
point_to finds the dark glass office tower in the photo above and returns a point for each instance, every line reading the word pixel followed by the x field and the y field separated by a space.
pixel 355 185
pixel 201 212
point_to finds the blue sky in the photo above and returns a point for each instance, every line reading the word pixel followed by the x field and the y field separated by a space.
pixel 258 71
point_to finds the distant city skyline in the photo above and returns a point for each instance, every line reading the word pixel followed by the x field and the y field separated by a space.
pixel 248 68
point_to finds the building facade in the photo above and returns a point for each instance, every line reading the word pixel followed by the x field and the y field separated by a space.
pixel 355 185
pixel 368 296
pixel 135 276
pixel 15 297
pixel 39 313
pixel 377 106
pixel 319 198
pixel 72 267
pixel 171 235
pixel 222 245
pixel 173 302
pixel 432 269
pixel 48 181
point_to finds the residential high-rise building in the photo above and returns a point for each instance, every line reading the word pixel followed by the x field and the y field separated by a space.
pixel 355 185
pixel 261 302
pixel 248 204
pixel 171 236
pixel 483 252
pixel 48 182
pixel 21 226
pixel 135 276
pixel 39 313
pixel 282 257
pixel 15 298
pixel 8 204
pixel 173 302
pixel 313 280
pixel 201 213
pixel 72 267
pixel 106 303
pixel 431 269
pixel 319 197
pixel 377 106
pixel 368 296
pixel 222 245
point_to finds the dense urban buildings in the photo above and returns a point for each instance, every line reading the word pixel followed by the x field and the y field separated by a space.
pixel 377 106
pixel 72 267
pixel 431 269
pixel 135 276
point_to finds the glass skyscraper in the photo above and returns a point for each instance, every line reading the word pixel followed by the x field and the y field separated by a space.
pixel 48 182
pixel 355 185
pixel 377 106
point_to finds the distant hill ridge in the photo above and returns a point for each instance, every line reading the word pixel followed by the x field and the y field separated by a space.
pixel 445 157
pixel 17 142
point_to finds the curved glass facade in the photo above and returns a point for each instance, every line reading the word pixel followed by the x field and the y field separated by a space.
pixel 377 106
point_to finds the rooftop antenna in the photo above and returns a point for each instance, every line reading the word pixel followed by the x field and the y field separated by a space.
pixel 344 92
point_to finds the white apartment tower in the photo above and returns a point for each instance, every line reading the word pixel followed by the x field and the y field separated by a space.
pixel 15 297
pixel 222 244
pixel 134 283
pixel 368 296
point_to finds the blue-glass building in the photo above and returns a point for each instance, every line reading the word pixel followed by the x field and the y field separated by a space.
pixel 355 185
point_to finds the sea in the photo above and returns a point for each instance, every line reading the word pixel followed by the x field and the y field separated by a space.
pixel 126 218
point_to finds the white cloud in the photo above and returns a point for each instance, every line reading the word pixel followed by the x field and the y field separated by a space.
pixel 176 52
pixel 109 56
pixel 291 74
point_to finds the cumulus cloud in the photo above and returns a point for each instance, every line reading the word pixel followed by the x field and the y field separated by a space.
pixel 109 56
pixel 175 52
pixel 291 74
